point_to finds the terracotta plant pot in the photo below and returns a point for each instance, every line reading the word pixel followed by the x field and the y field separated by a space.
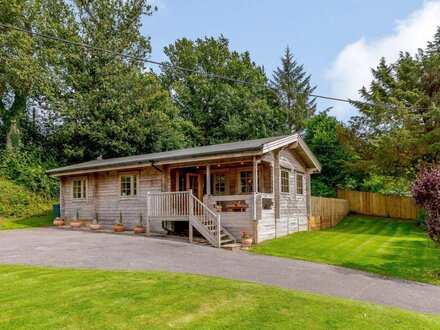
pixel 75 224
pixel 118 228
pixel 58 222
pixel 247 242
pixel 139 230
pixel 95 226
pixel 218 209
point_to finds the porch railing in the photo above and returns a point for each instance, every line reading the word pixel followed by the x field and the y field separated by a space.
pixel 168 204
pixel 185 204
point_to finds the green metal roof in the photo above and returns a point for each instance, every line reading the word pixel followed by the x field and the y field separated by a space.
pixel 217 149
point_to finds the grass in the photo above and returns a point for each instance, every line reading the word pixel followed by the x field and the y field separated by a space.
pixel 33 221
pixel 380 245
pixel 47 298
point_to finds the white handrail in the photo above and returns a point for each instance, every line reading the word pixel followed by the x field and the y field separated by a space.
pixel 207 218
pixel 184 203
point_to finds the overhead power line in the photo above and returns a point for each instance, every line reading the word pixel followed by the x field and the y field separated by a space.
pixel 176 67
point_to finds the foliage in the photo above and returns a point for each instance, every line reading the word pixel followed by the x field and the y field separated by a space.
pixel 16 202
pixel 399 125
pixel 162 300
pixel 426 194
pixel 321 136
pixel 380 245
pixel 27 167
pixel 220 110
pixel 294 92
pixel 28 66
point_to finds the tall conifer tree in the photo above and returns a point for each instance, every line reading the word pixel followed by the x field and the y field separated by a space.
pixel 294 91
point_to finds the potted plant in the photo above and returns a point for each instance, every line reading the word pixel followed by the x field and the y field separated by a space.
pixel 247 239
pixel 75 223
pixel 139 228
pixel 58 222
pixel 95 225
pixel 218 207
pixel 119 226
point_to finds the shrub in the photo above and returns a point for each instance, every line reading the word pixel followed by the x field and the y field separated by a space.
pixel 17 202
pixel 426 194
pixel 27 168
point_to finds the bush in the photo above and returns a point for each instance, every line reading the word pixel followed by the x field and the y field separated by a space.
pixel 17 202
pixel 27 168
pixel 426 194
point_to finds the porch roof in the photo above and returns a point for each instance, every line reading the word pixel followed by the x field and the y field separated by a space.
pixel 258 146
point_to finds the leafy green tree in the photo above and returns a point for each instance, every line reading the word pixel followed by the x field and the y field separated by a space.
pixel 399 123
pixel 27 66
pixel 221 110
pixel 111 106
pixel 294 91
pixel 322 136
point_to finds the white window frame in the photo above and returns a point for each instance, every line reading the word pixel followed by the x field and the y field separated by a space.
pixel 131 175
pixel 84 186
pixel 284 170
pixel 302 183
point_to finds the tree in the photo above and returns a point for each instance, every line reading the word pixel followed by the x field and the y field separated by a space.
pixel 107 105
pixel 426 194
pixel 221 110
pixel 27 66
pixel 294 92
pixel 399 121
pixel 321 135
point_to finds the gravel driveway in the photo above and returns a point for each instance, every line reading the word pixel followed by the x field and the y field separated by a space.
pixel 54 247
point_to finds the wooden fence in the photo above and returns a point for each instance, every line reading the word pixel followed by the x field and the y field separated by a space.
pixel 327 212
pixel 381 205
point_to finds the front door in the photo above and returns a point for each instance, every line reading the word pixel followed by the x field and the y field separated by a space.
pixel 194 182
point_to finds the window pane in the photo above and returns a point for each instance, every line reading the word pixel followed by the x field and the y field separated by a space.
pixel 125 185
pixel 284 181
pixel 84 189
pixel 219 184
pixel 299 184
pixel 77 192
pixel 246 181
pixel 134 185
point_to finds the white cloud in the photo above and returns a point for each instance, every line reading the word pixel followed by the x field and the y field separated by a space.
pixel 351 68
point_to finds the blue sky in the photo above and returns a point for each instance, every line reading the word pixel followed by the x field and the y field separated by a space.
pixel 337 41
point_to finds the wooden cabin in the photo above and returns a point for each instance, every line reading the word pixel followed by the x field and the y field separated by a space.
pixel 259 186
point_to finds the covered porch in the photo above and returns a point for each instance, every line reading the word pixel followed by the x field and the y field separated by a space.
pixel 237 190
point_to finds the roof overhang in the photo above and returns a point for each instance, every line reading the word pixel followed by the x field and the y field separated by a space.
pixel 123 163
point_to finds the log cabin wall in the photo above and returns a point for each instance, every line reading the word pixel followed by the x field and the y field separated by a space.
pixel 103 197
pixel 292 215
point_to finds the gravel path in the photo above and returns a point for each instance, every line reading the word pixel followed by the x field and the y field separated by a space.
pixel 54 247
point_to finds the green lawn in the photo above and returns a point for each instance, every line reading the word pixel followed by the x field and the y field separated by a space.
pixel 374 244
pixel 45 298
pixel 34 221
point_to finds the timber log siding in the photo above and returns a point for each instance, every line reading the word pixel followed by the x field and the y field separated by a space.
pixel 103 197
pixel 266 207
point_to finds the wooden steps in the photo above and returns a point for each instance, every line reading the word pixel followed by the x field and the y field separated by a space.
pixel 232 247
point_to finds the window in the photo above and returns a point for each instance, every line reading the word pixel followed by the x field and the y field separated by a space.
pixel 246 181
pixel 300 184
pixel 128 185
pixel 284 181
pixel 219 184
pixel 79 188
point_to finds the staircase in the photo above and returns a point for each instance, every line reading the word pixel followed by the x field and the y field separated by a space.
pixel 184 205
